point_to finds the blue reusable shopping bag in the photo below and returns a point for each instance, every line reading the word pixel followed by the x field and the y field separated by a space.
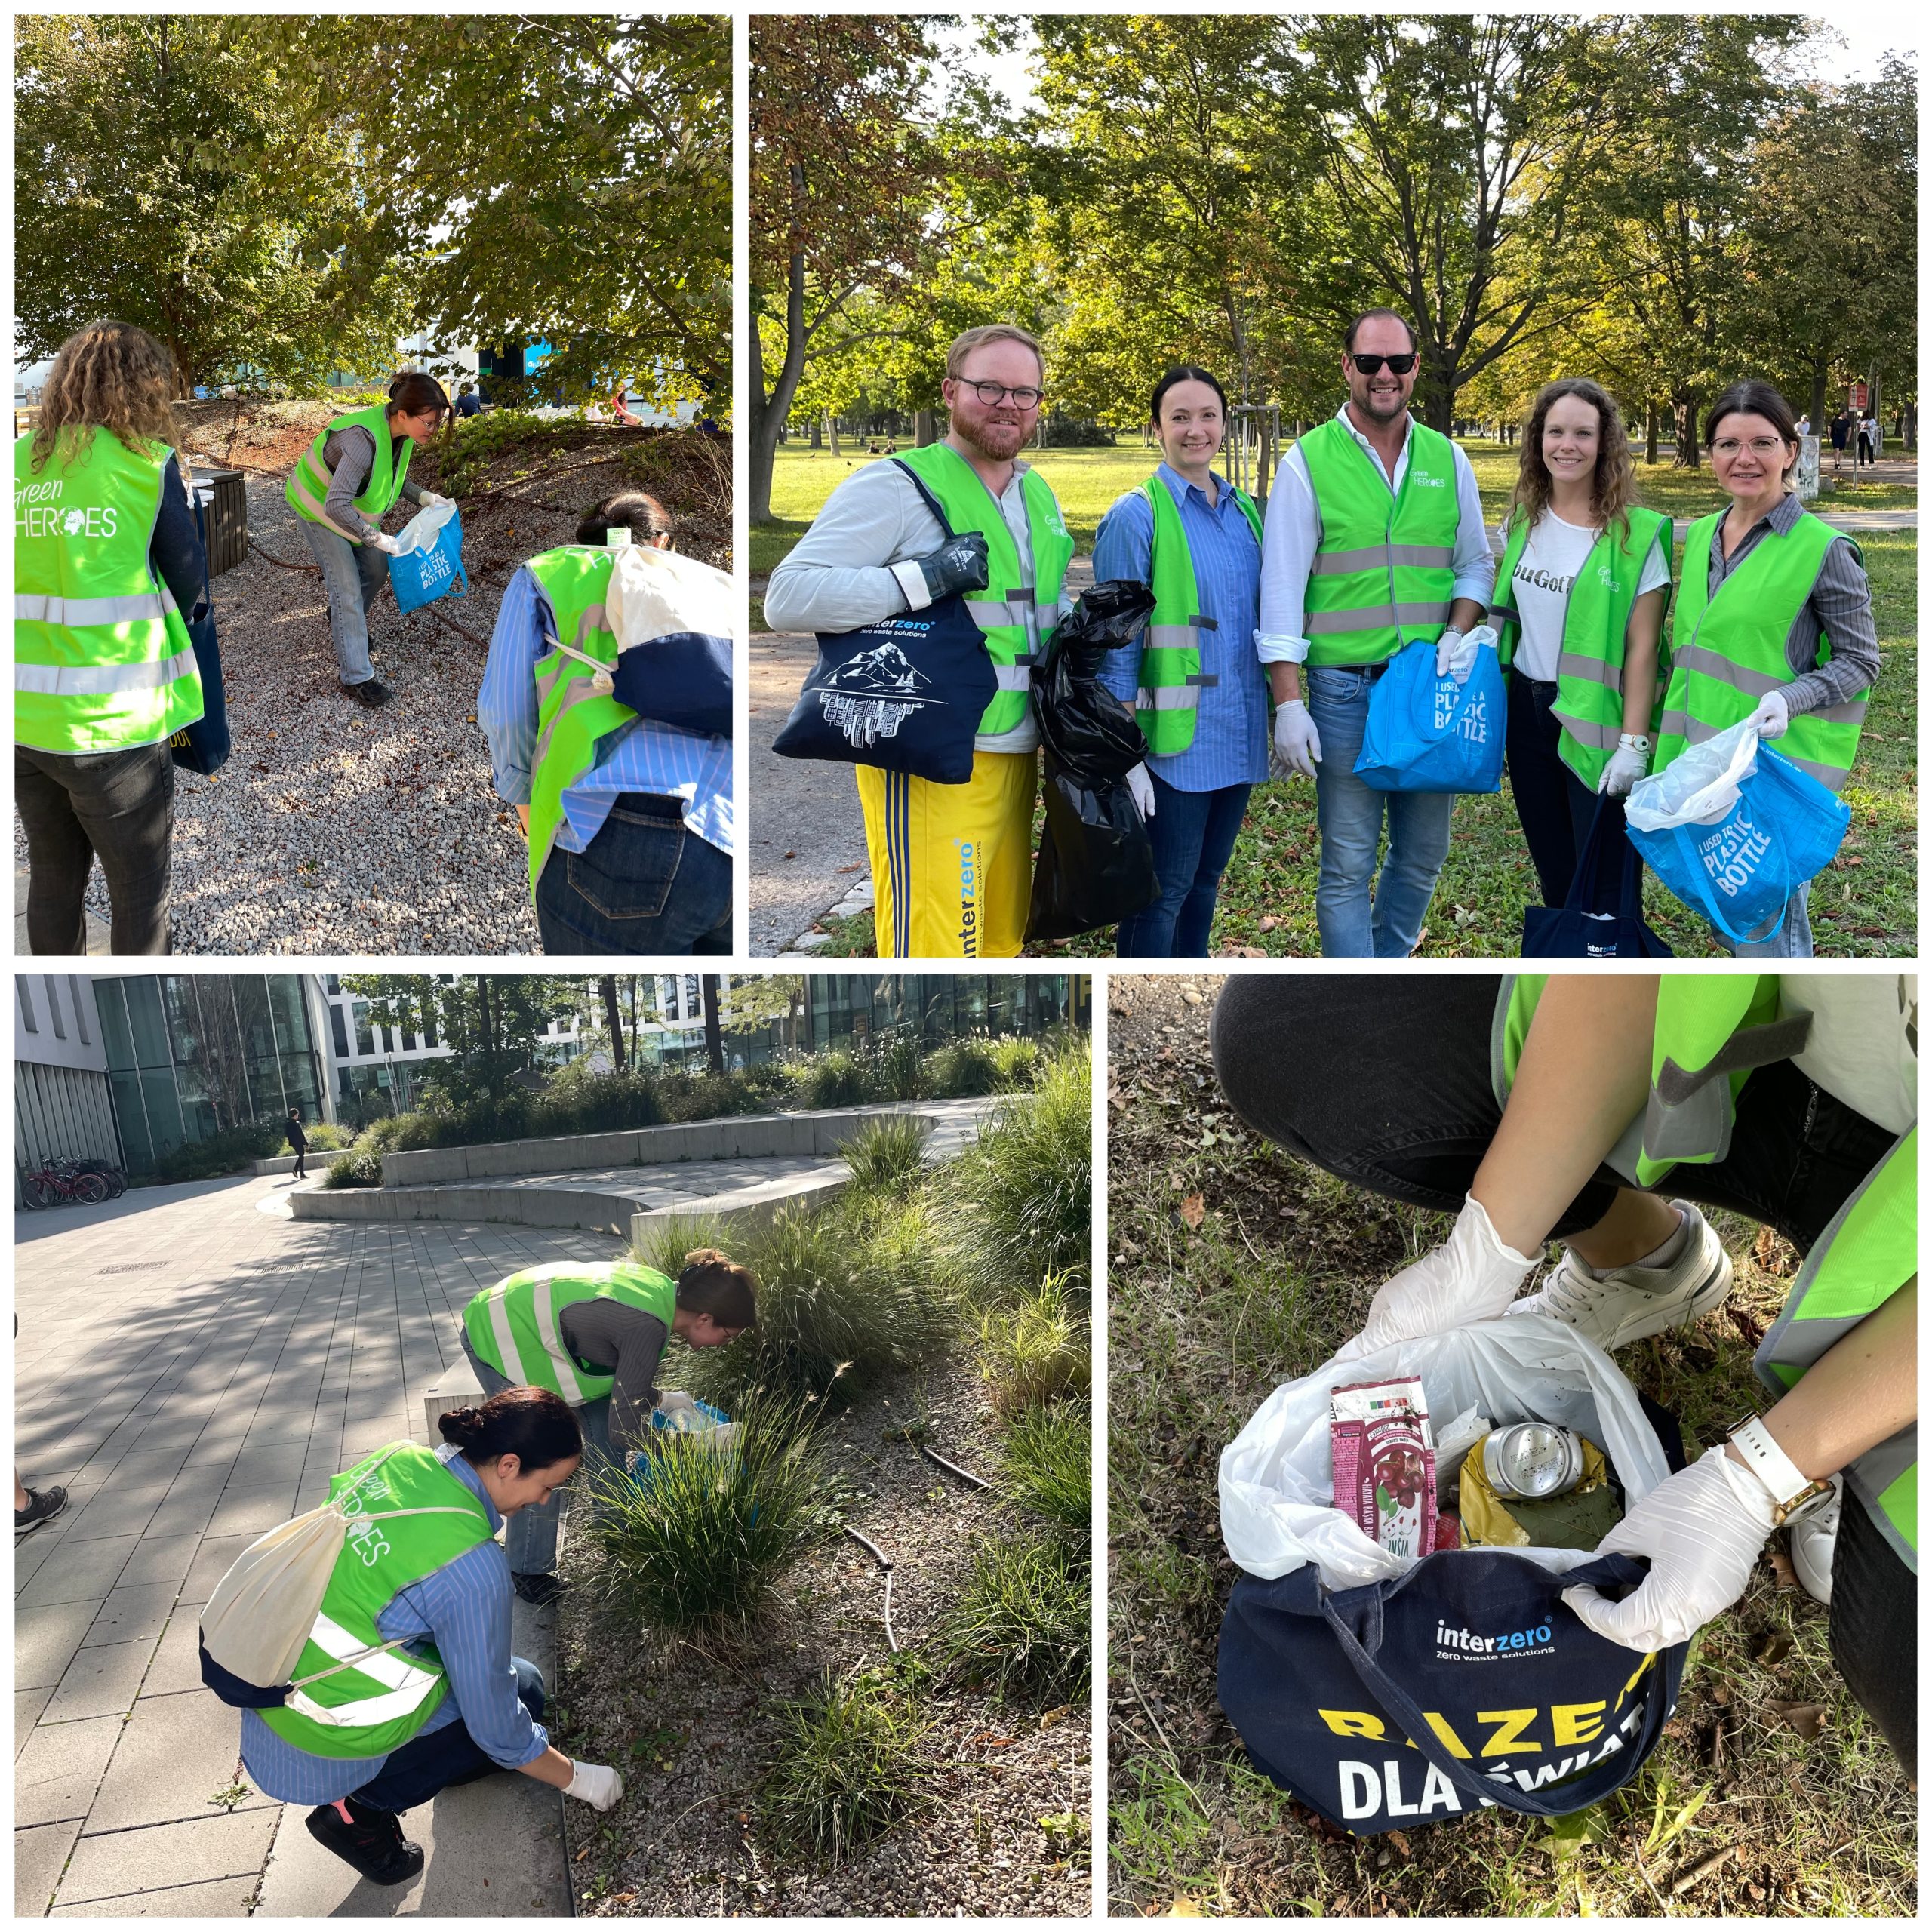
pixel 682 678
pixel 1741 871
pixel 1603 918
pixel 421 577
pixel 1426 733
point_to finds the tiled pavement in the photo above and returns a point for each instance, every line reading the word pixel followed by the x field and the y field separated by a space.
pixel 195 1370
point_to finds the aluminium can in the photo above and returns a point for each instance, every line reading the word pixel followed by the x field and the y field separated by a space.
pixel 1532 1459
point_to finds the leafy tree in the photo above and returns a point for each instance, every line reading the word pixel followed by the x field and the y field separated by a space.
pixel 493 1023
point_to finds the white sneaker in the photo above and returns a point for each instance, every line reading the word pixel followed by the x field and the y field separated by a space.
pixel 1813 1538
pixel 1626 1304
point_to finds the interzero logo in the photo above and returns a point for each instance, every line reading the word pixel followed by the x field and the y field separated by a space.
pixel 1502 1643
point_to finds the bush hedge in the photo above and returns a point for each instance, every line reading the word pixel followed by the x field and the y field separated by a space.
pixel 230 1152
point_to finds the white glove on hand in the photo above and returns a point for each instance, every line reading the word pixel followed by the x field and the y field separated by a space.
pixel 1297 744
pixel 1701 1529
pixel 673 1401
pixel 430 496
pixel 1772 719
pixel 1140 789
pixel 598 1785
pixel 1471 1276
pixel 1625 769
pixel 1455 651
pixel 390 546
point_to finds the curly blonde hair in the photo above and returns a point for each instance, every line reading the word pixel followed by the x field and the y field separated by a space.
pixel 1614 487
pixel 109 376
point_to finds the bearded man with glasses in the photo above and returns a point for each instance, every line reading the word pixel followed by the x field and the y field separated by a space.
pixel 1374 539
pixel 952 864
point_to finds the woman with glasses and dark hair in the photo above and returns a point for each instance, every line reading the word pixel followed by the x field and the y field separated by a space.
pixel 1193 680
pixel 1773 622
pixel 347 479
pixel 1578 609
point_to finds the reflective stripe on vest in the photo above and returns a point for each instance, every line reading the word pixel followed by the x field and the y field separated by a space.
pixel 1596 618
pixel 1731 653
pixel 1171 679
pixel 1008 613
pixel 307 489
pixel 103 661
pixel 1383 573
pixel 516 1326
pixel 408 1681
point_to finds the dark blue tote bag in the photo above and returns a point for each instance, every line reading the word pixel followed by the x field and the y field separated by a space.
pixel 1603 918
pixel 204 745
pixel 905 694
pixel 683 678
pixel 1426 733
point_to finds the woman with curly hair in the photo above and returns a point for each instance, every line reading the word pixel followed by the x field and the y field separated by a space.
pixel 108 572
pixel 1579 609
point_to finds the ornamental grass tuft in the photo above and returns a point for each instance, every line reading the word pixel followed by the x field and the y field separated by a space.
pixel 1022 1626
pixel 1034 1351
pixel 886 1156
pixel 846 1769
pixel 1046 1468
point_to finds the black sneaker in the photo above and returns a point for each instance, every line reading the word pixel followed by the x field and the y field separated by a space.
pixel 372 691
pixel 43 1505
pixel 372 1841
pixel 537 1589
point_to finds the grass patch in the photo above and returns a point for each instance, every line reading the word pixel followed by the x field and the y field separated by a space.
pixel 1034 1351
pixel 885 1156
pixel 846 1770
pixel 1046 1462
pixel 968 1066
pixel 361 1166
pixel 1021 1627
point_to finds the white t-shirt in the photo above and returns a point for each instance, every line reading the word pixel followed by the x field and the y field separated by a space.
pixel 1554 553
pixel 1862 1049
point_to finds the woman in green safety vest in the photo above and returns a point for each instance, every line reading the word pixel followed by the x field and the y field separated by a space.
pixel 407 1685
pixel 1193 680
pixel 348 480
pixel 1773 620
pixel 1578 608
pixel 1572 1108
pixel 108 572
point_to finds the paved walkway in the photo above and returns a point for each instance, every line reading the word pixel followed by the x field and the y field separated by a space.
pixel 195 1371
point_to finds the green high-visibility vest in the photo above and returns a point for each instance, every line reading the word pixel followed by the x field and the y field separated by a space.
pixel 517 1327
pixel 1711 1030
pixel 1728 652
pixel 1171 679
pixel 307 486
pixel 353 1698
pixel 1384 573
pixel 1002 610
pixel 103 661
pixel 1596 615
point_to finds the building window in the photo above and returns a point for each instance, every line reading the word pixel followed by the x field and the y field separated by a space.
pixel 80 1011
pixel 26 1004
pixel 338 1029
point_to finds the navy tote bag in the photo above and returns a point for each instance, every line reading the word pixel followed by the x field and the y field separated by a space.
pixel 1603 918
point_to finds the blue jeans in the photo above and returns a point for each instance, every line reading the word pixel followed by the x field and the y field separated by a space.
pixel 1792 939
pixel 1193 833
pixel 434 1760
pixel 645 884
pixel 353 574
pixel 1353 925
pixel 529 1537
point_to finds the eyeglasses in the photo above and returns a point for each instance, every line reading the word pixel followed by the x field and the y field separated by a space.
pixel 1760 446
pixel 993 394
pixel 1372 365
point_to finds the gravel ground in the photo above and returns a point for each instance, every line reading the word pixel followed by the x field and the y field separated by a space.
pixel 684 1842
pixel 332 828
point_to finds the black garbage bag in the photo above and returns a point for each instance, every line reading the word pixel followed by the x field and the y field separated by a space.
pixel 1096 863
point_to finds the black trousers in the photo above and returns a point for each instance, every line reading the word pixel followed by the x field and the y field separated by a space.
pixel 1554 806
pixel 118 806
pixel 1386 1083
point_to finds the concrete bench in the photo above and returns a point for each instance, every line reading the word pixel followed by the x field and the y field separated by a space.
pixel 456 1387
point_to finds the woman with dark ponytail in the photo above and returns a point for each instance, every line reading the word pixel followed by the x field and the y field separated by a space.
pixel 407 1685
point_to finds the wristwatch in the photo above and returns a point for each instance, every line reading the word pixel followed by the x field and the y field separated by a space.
pixel 1793 1493
pixel 1634 741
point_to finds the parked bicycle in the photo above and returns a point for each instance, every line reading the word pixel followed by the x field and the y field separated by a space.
pixel 64 1180
pixel 117 1181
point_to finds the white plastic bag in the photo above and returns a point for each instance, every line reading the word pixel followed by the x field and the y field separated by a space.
pixel 1277 1480
pixel 1698 787
pixel 420 532
pixel 657 593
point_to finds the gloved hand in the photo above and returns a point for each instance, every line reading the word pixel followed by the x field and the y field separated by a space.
pixel 598 1785
pixel 958 563
pixel 1455 651
pixel 1772 718
pixel 430 496
pixel 1625 769
pixel 390 546
pixel 1701 1529
pixel 672 1400
pixel 1297 744
pixel 1471 1276
pixel 1140 789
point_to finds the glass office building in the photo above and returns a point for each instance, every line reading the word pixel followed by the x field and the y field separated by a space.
pixel 841 1007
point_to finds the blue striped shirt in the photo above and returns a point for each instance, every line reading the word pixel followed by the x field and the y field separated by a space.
pixel 1230 744
pixel 465 1608
pixel 641 756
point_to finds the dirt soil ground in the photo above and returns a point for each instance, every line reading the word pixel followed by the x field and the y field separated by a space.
pixel 334 829
pixel 1233 1268
pixel 693 1738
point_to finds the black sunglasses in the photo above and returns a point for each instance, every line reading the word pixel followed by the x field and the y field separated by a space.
pixel 1372 365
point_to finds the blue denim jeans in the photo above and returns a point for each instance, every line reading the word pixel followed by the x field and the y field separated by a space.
pixel 644 884
pixel 1792 940
pixel 353 574
pixel 434 1760
pixel 1193 833
pixel 1356 923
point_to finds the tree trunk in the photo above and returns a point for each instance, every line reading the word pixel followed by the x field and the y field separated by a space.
pixel 1683 414
pixel 614 1018
pixel 1820 371
pixel 924 430
pixel 832 430
pixel 818 432
pixel 1651 431
pixel 714 1032
pixel 768 412
pixel 1908 426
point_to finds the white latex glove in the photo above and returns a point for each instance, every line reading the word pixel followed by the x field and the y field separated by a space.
pixel 1297 744
pixel 1701 1529
pixel 390 546
pixel 598 1785
pixel 672 1400
pixel 1625 769
pixel 430 496
pixel 1471 1276
pixel 1455 651
pixel 1772 718
pixel 1140 789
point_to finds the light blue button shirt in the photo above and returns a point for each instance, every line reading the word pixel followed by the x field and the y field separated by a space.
pixel 1230 744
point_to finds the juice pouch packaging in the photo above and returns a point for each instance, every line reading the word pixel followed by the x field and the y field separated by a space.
pixel 1385 1462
